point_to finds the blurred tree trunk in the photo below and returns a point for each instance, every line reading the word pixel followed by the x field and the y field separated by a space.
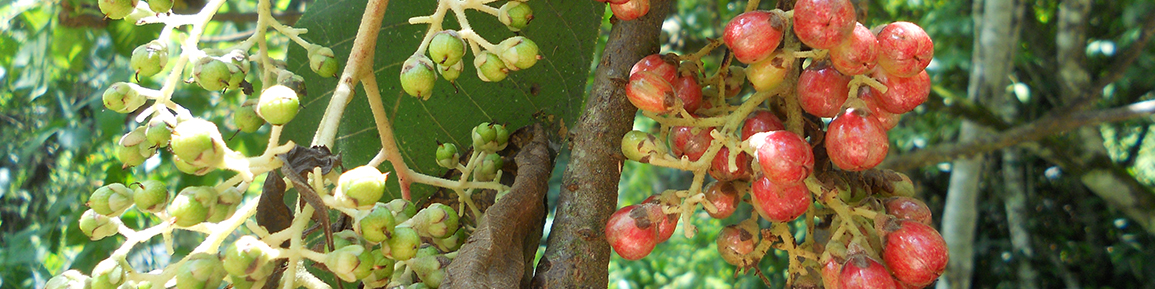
pixel 995 42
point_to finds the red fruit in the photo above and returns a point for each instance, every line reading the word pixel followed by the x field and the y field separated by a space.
pixel 831 269
pixel 904 49
pixel 855 141
pixel 724 197
pixel 753 35
pixel 688 90
pixel 760 121
pixel 662 65
pixel 631 232
pixel 631 9
pixel 903 94
pixel 785 158
pixel 649 92
pixel 870 96
pixel 863 272
pixel 613 1
pixel 908 208
pixel 822 24
pixel 858 54
pixel 780 203
pixel 687 143
pixel 720 167
pixel 769 73
pixel 734 244
pixel 669 221
pixel 822 89
pixel 915 252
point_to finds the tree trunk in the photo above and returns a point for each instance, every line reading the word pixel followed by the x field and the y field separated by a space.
pixel 992 59
pixel 578 255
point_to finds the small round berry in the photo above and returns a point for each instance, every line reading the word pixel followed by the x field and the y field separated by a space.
pixel 132 156
pixel 446 48
pixel 248 257
pixel 908 208
pixel 631 9
pixel 669 222
pixel 151 196
pixel 213 74
pixel 402 209
pixel 488 168
pixel 858 54
pixel 518 52
pixel 724 197
pixel 323 62
pixel 448 156
pixel 361 187
pixel 98 226
pixel 403 244
pixel 160 6
pixel 904 49
pixel 785 157
pixel 198 142
pixel 736 243
pixel 350 263
pixel 768 74
pixel 111 200
pixel 760 121
pixel 720 167
pixel 186 209
pixel 754 35
pixel 246 119
pixel 122 97
pixel 116 9
pixel 650 92
pixel 489 66
pixel 149 58
pixel 640 146
pixel 823 24
pixel 278 105
pixel 687 89
pixel 855 141
pixel 870 96
pixel 157 134
pixel 915 252
pixel 490 137
pixel 690 144
pixel 779 203
pixel 377 226
pixel 662 65
pixel 632 231
pixel 861 272
pixel 822 89
pixel 109 273
pixel 436 221
pixel 417 76
pixel 903 94
pixel 452 72
pixel 202 270
pixel 515 15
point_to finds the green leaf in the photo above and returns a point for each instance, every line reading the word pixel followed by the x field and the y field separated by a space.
pixel 550 92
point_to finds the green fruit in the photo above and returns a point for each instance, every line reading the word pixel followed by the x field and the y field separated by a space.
pixel 490 137
pixel 640 146
pixel 248 257
pixel 377 226
pixel 518 52
pixel 134 137
pixel 213 74
pixel 149 58
pixel 382 268
pixel 108 274
pixel 402 210
pixel 188 168
pixel 122 97
pixel 134 155
pixel 488 168
pixel 150 196
pixel 187 210
pixel 116 9
pixel 160 6
pixel 323 62
pixel 361 187
pixel 489 66
pixel 417 76
pixel 446 48
pixel 403 245
pixel 278 104
pixel 437 221
pixel 199 143
pixel 70 279
pixel 247 120
pixel 111 200
pixel 347 263
pixel 201 271
pixel 451 243
pixel 225 204
pixel 447 156
pixel 515 15
pixel 431 269
pixel 452 72
pixel 158 134
pixel 97 226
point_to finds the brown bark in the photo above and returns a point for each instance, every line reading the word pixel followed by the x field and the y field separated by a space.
pixel 578 254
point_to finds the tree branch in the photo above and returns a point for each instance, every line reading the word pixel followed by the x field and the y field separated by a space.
pixel 578 255
pixel 1039 129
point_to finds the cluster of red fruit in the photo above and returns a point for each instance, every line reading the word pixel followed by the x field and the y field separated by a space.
pixel 863 79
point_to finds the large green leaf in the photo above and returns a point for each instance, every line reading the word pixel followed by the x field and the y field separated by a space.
pixel 551 91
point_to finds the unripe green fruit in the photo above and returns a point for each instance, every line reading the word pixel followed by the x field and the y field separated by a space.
pixel 431 269
pixel 361 187
pixel 452 72
pixel 122 97
pixel 346 238
pixel 225 206
pixel 515 15
pixel 447 156
pixel 188 168
pixel 247 120
pixel 212 74
pixel 446 48
pixel 70 279
pixel 323 62
pixel 347 263
pixel 518 52
pixel 238 58
pixel 97 226
pixel 402 210
pixel 157 134
pixel 451 243
pixel 151 196
pixel 490 67
pixel 111 200
pixel 149 58
pixel 417 77
pixel 201 271
pixel 248 257
pixel 403 244
pixel 640 146
pixel 278 105
pixel 160 6
pixel 382 268
pixel 116 9
pixel 490 137
pixel 199 143
pixel 488 168
pixel 377 226
pixel 187 209
pixel 108 274
pixel 241 282
pixel 132 138
pixel 134 155
pixel 437 221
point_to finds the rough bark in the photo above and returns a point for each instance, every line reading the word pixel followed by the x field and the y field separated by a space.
pixel 992 60
pixel 578 254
